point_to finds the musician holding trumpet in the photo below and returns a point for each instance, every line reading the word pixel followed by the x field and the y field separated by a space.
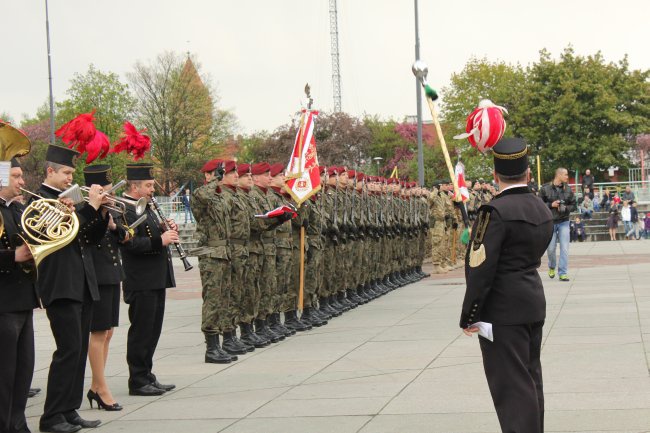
pixel 148 267
pixel 67 287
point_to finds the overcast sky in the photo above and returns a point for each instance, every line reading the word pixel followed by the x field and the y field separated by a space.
pixel 260 53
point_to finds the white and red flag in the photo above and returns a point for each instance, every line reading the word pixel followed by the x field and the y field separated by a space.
pixel 460 180
pixel 302 176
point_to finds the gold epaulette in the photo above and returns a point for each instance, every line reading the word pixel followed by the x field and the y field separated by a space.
pixel 477 249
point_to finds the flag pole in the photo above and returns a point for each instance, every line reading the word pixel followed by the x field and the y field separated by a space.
pixel 301 292
pixel 420 70
pixel 539 173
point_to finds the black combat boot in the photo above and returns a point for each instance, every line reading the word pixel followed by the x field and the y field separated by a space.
pixel 388 283
pixel 250 338
pixel 231 346
pixel 213 353
pixel 275 323
pixel 310 315
pixel 326 308
pixel 353 297
pixel 292 321
pixel 263 329
pixel 334 303
pixel 369 291
pixel 424 274
pixel 239 342
pixel 341 299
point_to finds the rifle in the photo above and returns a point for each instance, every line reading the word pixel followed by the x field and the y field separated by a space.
pixel 334 232
pixel 345 226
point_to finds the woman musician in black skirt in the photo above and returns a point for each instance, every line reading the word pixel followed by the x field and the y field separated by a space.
pixel 106 311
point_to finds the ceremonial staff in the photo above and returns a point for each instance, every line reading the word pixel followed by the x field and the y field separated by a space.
pixel 420 70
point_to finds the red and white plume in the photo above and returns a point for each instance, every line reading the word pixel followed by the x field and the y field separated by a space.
pixel 133 142
pixel 485 126
pixel 460 180
pixel 81 134
pixel 302 175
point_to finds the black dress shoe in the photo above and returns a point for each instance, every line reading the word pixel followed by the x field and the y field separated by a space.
pixel 147 390
pixel 75 419
pixel 63 427
pixel 32 392
pixel 163 387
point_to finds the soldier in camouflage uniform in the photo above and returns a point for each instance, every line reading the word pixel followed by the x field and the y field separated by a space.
pixel 285 298
pixel 268 279
pixel 438 228
pixel 251 296
pixel 212 230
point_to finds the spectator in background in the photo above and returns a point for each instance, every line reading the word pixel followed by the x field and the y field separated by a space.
pixel 578 230
pixel 587 206
pixel 626 217
pixel 559 198
pixel 596 202
pixel 627 194
pixel 587 192
pixel 612 223
pixel 634 222
pixel 588 181
pixel 646 225
pixel 186 204
pixel 616 202
pixel 606 201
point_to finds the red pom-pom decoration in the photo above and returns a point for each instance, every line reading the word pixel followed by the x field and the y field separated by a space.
pixel 132 142
pixel 81 133
pixel 485 126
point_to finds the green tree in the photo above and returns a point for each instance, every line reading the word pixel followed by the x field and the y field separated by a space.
pixel 502 83
pixel 179 108
pixel 582 112
pixel 113 102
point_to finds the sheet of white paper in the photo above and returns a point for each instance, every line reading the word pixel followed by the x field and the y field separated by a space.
pixel 5 167
pixel 485 330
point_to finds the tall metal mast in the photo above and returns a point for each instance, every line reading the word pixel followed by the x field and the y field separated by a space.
pixel 336 72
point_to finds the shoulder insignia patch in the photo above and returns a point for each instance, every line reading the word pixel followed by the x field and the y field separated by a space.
pixel 477 249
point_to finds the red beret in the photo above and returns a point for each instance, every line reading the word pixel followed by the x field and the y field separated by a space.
pixel 243 169
pixel 332 170
pixel 360 176
pixel 228 166
pixel 277 169
pixel 352 173
pixel 321 169
pixel 392 180
pixel 342 169
pixel 210 166
pixel 260 168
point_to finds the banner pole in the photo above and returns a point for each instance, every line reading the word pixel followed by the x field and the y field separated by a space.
pixel 539 173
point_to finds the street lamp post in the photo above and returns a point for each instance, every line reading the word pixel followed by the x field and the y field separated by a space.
pixel 378 159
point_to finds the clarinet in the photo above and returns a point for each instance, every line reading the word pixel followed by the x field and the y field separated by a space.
pixel 179 247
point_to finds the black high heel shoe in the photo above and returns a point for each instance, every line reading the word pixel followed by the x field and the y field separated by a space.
pixel 100 403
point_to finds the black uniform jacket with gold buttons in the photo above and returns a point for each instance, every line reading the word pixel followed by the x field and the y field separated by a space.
pixel 17 291
pixel 66 273
pixel 147 263
pixel 106 257
pixel 508 240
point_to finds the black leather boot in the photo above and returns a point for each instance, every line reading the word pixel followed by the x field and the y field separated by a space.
pixel 230 346
pixel 310 316
pixel 292 321
pixel 240 343
pixel 326 309
pixel 334 303
pixel 250 338
pixel 213 353
pixel 263 329
pixel 275 323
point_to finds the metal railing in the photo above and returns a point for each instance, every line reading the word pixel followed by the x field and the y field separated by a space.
pixel 641 189
pixel 174 208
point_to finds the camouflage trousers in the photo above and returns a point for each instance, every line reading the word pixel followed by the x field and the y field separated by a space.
pixel 438 244
pixel 291 300
pixel 313 275
pixel 239 259
pixel 422 249
pixel 268 282
pixel 329 264
pixel 216 281
pixel 284 274
pixel 252 294
pixel 343 264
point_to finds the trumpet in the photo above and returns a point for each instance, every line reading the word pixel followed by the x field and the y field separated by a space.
pixel 116 204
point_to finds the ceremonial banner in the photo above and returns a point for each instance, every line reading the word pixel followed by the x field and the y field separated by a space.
pixel 302 176
pixel 460 181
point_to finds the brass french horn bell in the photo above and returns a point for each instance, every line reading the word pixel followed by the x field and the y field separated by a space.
pixel 13 143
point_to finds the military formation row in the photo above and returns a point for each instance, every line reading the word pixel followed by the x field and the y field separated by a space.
pixel 363 236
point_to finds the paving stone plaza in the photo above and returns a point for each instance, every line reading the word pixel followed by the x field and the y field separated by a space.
pixel 397 364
